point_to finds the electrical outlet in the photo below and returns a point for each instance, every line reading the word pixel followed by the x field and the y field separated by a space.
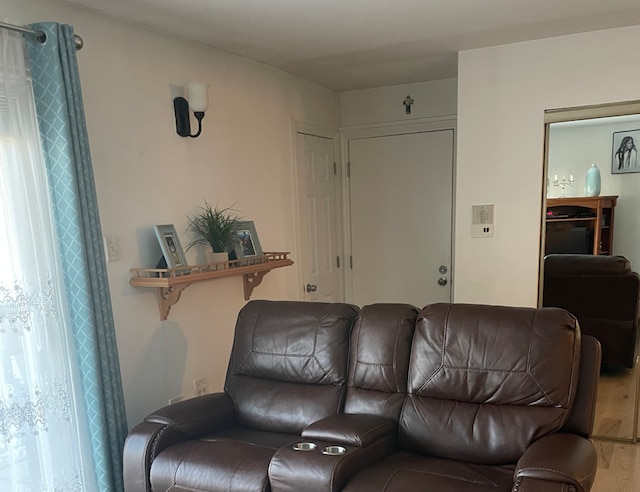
pixel 176 399
pixel 200 386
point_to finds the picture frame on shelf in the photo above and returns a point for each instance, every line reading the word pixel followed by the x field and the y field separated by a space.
pixel 170 245
pixel 247 243
pixel 624 154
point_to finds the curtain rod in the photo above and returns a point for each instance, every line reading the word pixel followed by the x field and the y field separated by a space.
pixel 41 36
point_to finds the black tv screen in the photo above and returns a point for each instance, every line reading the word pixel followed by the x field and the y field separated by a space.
pixel 577 240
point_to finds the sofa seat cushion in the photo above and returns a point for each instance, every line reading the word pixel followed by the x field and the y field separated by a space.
pixel 402 472
pixel 235 459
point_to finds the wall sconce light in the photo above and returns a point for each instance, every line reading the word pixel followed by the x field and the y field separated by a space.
pixel 198 102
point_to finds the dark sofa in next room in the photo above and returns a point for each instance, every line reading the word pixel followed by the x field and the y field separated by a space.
pixel 603 293
pixel 328 397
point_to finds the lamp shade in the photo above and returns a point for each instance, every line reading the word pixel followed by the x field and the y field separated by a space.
pixel 198 99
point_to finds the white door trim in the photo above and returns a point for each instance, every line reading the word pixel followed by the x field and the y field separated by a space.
pixel 380 130
pixel 319 130
pixel 399 127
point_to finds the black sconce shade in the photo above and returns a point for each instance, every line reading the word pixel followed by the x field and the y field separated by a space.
pixel 183 121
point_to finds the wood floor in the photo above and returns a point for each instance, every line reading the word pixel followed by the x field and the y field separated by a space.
pixel 618 467
pixel 617 395
pixel 618 462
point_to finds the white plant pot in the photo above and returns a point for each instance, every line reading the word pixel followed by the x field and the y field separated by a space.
pixel 218 258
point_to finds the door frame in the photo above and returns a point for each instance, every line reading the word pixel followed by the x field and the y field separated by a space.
pixel 357 132
pixel 315 129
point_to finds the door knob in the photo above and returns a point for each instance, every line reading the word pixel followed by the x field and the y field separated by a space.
pixel 311 288
pixel 442 281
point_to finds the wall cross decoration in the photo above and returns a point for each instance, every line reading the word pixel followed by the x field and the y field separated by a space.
pixel 408 101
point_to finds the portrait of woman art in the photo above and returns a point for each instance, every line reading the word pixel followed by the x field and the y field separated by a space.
pixel 625 152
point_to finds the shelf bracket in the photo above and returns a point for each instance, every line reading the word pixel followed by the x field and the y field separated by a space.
pixel 167 297
pixel 251 281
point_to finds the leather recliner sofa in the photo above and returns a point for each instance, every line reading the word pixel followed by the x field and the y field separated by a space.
pixel 602 292
pixel 326 397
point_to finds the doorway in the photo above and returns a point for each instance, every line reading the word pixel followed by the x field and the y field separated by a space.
pixel 400 217
pixel 319 212
pixel 576 139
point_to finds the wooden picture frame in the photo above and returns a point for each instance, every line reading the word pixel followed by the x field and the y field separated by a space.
pixel 170 245
pixel 247 244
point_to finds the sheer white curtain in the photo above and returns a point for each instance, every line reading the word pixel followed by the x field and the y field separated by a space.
pixel 43 438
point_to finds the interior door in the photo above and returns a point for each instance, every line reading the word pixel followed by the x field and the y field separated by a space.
pixel 318 178
pixel 401 211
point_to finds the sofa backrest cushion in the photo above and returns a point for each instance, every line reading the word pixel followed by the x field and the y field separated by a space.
pixel 487 381
pixel 559 264
pixel 379 359
pixel 288 363
pixel 596 287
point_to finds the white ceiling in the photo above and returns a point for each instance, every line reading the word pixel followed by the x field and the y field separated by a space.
pixel 357 44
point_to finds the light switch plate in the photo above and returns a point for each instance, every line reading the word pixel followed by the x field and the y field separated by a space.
pixel 111 247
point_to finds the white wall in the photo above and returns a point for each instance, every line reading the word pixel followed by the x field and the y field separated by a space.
pixel 385 104
pixel 145 174
pixel 502 94
pixel 573 147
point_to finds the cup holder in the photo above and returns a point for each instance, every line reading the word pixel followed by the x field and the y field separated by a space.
pixel 334 450
pixel 304 446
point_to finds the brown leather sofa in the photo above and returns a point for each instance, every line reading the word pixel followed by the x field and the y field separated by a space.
pixel 452 398
pixel 602 292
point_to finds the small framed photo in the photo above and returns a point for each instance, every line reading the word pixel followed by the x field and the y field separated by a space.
pixel 247 244
pixel 170 245
pixel 625 152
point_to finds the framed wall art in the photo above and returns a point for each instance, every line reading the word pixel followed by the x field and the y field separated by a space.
pixel 247 244
pixel 625 152
pixel 170 245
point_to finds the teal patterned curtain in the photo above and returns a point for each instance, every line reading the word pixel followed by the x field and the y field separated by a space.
pixel 60 111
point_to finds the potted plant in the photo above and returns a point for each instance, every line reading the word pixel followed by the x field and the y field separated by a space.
pixel 214 228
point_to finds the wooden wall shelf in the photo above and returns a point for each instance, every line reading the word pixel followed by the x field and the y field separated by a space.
pixel 170 282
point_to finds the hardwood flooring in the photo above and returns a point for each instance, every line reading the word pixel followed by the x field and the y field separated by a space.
pixel 617 388
pixel 618 467
pixel 618 462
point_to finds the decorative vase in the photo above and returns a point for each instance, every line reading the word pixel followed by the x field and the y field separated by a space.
pixel 592 181
pixel 218 258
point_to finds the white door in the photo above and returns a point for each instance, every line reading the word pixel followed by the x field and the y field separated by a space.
pixel 401 211
pixel 319 183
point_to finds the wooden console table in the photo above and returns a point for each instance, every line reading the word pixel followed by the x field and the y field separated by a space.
pixel 599 218
pixel 170 282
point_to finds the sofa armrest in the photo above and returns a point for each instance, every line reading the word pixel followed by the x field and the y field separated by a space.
pixel 559 458
pixel 365 440
pixel 350 429
pixel 167 426
pixel 197 416
pixel 142 445
pixel 536 485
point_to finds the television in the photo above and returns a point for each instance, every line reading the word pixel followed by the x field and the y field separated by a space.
pixel 576 240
